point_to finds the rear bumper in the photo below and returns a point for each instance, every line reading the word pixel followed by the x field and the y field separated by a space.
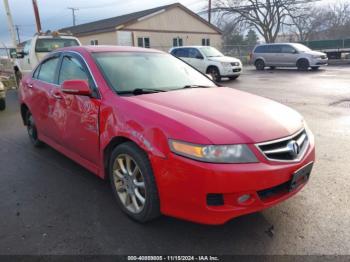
pixel 185 187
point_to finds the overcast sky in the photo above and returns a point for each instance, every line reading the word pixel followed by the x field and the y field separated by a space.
pixel 54 13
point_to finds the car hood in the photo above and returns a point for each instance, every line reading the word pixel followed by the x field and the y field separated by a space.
pixel 224 59
pixel 315 53
pixel 224 115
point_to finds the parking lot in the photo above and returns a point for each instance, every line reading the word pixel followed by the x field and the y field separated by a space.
pixel 50 205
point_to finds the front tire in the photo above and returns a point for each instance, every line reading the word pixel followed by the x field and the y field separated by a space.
pixel 2 104
pixel 32 130
pixel 133 182
pixel 303 65
pixel 215 74
pixel 259 65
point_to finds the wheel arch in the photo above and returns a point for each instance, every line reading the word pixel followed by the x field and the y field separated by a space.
pixel 113 143
pixel 211 66
pixel 303 58
pixel 24 110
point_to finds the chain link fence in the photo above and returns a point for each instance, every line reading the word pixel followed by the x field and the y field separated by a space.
pixel 239 51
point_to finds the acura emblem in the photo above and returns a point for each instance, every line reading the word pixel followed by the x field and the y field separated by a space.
pixel 293 148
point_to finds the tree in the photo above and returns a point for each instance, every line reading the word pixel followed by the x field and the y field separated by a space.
pixel 251 38
pixel 266 16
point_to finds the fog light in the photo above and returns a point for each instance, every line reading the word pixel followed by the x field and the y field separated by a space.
pixel 243 198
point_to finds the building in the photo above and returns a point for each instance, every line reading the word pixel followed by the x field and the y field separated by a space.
pixel 161 28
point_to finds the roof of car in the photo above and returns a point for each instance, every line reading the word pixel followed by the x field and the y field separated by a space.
pixel 108 48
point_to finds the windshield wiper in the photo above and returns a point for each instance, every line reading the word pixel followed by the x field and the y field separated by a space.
pixel 140 91
pixel 195 86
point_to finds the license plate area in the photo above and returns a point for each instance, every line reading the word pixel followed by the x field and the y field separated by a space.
pixel 301 176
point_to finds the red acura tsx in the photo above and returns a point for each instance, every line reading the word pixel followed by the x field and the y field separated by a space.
pixel 167 137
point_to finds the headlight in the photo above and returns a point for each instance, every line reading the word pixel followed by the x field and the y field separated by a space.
pixel 2 87
pixel 316 56
pixel 213 153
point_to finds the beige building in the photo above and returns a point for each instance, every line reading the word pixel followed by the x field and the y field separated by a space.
pixel 161 28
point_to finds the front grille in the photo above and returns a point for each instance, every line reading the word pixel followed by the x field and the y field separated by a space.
pixel 291 148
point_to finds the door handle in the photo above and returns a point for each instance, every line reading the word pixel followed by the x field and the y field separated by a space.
pixel 57 95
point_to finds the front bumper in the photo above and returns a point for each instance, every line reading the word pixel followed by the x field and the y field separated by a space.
pixel 231 71
pixel 319 62
pixel 184 188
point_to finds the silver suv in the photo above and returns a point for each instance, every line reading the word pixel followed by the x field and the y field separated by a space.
pixel 287 55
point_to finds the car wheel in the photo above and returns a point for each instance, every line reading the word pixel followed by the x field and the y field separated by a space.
pixel 259 65
pixel 315 68
pixel 303 65
pixel 133 182
pixel 215 74
pixel 233 77
pixel 32 130
pixel 2 104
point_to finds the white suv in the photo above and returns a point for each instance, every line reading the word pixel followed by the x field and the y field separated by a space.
pixel 36 49
pixel 209 60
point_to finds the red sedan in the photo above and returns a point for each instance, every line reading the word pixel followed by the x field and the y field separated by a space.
pixel 169 139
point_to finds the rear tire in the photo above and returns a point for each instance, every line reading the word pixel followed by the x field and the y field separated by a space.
pixel 32 130
pixel 2 104
pixel 303 65
pixel 259 65
pixel 134 184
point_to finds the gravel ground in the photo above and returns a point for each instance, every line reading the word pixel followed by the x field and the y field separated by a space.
pixel 50 205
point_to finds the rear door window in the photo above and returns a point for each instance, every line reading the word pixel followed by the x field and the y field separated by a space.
pixel 275 49
pixel 182 52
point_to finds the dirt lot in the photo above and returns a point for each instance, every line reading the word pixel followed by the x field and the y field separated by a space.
pixel 50 205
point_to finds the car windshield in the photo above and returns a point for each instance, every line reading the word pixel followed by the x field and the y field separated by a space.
pixel 301 48
pixel 44 45
pixel 128 71
pixel 211 51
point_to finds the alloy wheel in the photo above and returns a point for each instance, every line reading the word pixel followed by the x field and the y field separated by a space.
pixel 129 183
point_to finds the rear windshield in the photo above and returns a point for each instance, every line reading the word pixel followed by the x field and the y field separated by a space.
pixel 45 45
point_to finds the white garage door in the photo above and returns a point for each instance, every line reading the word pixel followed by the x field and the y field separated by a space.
pixel 124 38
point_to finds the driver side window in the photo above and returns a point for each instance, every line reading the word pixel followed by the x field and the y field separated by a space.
pixel 72 69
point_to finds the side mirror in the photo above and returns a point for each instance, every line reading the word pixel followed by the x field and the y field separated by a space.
pixel 199 57
pixel 19 54
pixel 76 87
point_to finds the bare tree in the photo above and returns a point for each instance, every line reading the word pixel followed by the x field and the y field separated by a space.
pixel 266 16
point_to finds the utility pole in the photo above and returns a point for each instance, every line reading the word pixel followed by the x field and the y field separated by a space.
pixel 17 30
pixel 209 12
pixel 37 16
pixel 73 13
pixel 10 23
